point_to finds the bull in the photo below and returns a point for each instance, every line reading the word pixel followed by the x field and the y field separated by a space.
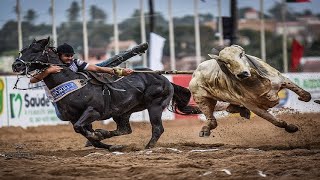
pixel 246 82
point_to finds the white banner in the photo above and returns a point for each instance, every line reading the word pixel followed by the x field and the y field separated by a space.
pixel 156 51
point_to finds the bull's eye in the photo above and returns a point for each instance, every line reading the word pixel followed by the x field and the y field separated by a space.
pixel 240 55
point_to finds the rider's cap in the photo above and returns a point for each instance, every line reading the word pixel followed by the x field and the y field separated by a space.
pixel 65 49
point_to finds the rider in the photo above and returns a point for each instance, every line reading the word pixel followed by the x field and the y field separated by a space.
pixel 66 53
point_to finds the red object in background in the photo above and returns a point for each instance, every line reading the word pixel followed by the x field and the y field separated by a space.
pixel 183 80
pixel 296 55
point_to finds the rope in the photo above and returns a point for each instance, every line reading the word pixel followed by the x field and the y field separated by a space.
pixel 164 72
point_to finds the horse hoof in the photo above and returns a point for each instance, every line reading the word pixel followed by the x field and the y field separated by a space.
pixel 116 148
pixel 290 128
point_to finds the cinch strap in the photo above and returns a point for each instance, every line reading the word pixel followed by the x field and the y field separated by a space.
pixel 66 88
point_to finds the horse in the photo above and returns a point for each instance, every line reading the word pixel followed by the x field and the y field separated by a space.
pixel 90 101
pixel 245 82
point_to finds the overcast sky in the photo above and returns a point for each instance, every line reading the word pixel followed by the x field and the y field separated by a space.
pixel 125 8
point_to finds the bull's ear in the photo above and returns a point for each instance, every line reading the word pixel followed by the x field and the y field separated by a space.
pixel 34 40
pixel 213 56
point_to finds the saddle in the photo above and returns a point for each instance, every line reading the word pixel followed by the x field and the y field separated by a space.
pixel 100 78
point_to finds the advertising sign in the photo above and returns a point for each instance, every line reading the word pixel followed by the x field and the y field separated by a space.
pixel 28 107
pixel 307 81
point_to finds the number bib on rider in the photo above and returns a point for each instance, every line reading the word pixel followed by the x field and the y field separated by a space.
pixel 66 88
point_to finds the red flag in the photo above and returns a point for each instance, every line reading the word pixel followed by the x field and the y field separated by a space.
pixel 296 55
pixel 297 1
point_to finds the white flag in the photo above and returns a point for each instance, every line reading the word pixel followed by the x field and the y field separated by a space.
pixel 156 51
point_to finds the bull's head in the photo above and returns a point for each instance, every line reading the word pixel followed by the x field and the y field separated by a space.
pixel 29 55
pixel 235 60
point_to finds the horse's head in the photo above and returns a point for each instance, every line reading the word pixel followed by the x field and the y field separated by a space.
pixel 236 61
pixel 32 57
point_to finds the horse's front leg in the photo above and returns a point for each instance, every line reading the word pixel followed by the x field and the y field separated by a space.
pixel 82 124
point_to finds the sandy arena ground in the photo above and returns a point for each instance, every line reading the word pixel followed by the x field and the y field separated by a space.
pixel 237 149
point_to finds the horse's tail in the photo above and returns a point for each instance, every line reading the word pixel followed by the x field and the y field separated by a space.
pixel 180 101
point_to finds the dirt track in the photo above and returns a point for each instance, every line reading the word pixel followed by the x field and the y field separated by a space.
pixel 240 149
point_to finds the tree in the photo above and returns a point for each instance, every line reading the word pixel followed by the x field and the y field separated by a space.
pixel 30 16
pixel 276 11
pixel 97 14
pixel 73 12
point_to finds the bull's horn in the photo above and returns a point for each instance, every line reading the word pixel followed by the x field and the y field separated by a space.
pixel 213 56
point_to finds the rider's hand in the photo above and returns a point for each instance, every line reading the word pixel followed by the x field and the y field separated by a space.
pixel 122 71
pixel 126 72
pixel 54 69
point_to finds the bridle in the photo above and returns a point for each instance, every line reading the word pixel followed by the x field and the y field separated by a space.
pixel 38 71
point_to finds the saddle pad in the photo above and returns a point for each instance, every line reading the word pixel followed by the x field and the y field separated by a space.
pixel 66 88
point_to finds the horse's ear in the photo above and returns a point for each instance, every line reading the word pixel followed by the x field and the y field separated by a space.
pixel 44 42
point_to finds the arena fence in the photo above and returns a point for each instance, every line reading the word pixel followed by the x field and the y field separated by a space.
pixel 32 107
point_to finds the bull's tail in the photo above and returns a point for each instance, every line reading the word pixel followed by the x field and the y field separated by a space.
pixel 180 102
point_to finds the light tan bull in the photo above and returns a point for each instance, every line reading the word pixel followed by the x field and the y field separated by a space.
pixel 244 81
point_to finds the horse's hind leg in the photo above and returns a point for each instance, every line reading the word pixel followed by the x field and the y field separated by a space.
pixel 123 127
pixel 82 126
pixel 155 113
pixel 269 117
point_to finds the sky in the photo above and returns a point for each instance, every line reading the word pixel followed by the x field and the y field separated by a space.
pixel 125 8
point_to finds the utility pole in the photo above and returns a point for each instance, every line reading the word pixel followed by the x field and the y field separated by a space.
pixel 18 11
pixel 220 24
pixel 234 20
pixel 197 32
pixel 84 29
pixel 171 37
pixel 284 37
pixel 54 28
pixel 115 27
pixel 151 15
pixel 262 32
pixel 143 32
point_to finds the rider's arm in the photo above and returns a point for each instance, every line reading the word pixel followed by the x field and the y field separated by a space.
pixel 118 71
pixel 45 73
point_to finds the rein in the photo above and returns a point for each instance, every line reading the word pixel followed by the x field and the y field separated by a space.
pixel 29 75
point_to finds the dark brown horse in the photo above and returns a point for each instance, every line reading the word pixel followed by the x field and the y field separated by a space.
pixel 117 100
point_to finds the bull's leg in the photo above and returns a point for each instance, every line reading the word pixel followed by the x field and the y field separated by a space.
pixel 207 106
pixel 82 126
pixel 244 112
pixel 303 95
pixel 269 117
pixel 155 113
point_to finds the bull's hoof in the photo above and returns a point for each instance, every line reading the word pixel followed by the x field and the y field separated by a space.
pixel 290 128
pixel 245 113
pixel 205 132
